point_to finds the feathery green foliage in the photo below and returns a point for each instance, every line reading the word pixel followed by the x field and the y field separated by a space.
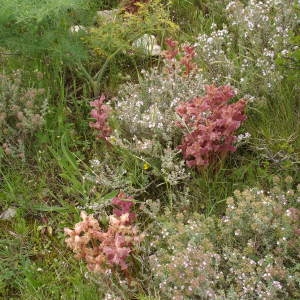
pixel 40 29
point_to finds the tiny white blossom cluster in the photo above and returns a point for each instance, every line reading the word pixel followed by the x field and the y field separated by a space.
pixel 242 138
pixel 147 109
pixel 245 48
pixel 246 255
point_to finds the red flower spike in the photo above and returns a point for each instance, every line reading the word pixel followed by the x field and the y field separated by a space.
pixel 100 113
pixel 171 43
pixel 179 58
pixel 117 252
pixel 187 59
pixel 107 250
pixel 172 50
pixel 123 206
pixel 212 123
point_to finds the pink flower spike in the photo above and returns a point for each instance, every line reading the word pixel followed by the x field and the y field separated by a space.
pixel 100 113
pixel 123 206
pixel 104 250
pixel 118 252
pixel 98 102
pixel 211 124
pixel 171 43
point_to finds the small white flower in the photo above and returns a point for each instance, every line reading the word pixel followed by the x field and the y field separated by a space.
pixel 210 40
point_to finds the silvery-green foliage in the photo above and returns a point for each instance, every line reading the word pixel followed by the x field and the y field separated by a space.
pixel 147 109
pixel 22 112
pixel 249 253
pixel 245 48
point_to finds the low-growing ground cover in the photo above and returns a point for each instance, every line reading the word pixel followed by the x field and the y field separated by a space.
pixel 169 174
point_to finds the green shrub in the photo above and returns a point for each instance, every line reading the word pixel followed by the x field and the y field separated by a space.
pixel 111 42
pixel 119 32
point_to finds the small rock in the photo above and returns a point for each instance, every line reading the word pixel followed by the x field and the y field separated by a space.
pixel 148 44
pixel 8 214
pixel 77 28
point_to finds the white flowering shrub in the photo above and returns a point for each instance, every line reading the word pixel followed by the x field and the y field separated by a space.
pixel 251 253
pixel 245 48
pixel 146 110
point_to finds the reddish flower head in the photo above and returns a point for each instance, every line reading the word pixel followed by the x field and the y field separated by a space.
pixel 123 206
pixel 212 123
pixel 100 113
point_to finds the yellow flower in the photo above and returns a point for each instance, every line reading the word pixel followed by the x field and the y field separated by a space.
pixel 146 166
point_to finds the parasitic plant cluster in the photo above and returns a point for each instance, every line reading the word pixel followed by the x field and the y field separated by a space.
pixel 180 57
pixel 211 123
pixel 105 250
pixel 100 113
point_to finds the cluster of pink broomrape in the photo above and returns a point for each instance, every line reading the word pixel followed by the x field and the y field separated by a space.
pixel 209 123
pixel 108 249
